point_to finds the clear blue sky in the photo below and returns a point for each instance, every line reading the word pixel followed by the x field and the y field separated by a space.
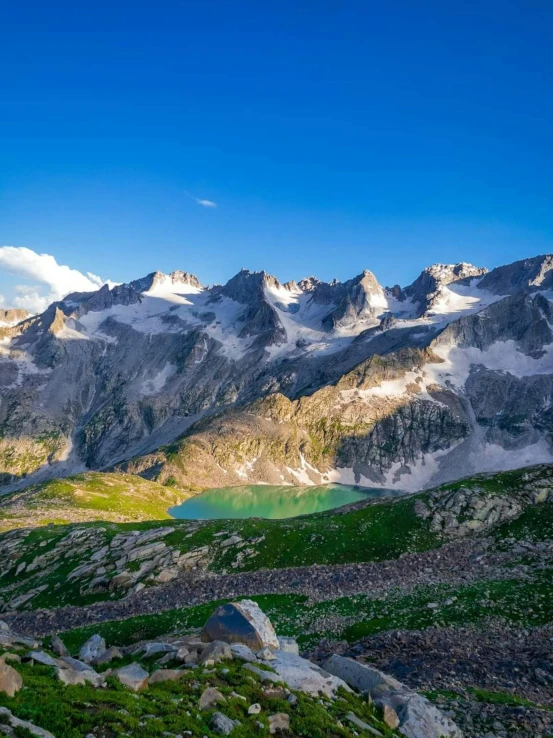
pixel 333 135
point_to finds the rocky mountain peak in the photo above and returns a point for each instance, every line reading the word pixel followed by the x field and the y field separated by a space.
pixel 426 288
pixel 12 317
pixel 526 275
pixel 359 298
pixel 160 280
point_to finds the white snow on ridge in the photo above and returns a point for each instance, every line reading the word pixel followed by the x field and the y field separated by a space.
pixel 501 356
pixel 155 384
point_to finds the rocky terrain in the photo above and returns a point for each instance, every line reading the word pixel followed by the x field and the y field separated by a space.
pixel 449 590
pixel 308 382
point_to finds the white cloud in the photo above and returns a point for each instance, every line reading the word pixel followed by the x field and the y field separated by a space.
pixel 44 271
pixel 206 203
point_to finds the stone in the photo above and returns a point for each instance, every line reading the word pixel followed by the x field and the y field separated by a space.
pixel 156 647
pixel 209 698
pixel 41 658
pixel 239 651
pixel 266 654
pixel 4 626
pixel 58 646
pixel 254 709
pixel 76 664
pixel 288 645
pixel 222 725
pixel 279 723
pixel 132 676
pixel 362 725
pixel 108 655
pixel 304 676
pixel 418 718
pixel 241 622
pixel 8 719
pixel 10 680
pixel 165 675
pixel 70 677
pixel 182 653
pixel 361 677
pixel 390 716
pixel 12 657
pixel 215 652
pixel 93 648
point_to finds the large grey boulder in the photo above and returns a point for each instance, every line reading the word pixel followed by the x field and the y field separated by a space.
pixel 69 676
pixel 305 676
pixel 94 647
pixel 418 718
pixel 241 622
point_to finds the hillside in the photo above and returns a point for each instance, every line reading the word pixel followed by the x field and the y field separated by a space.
pixel 86 497
pixel 422 585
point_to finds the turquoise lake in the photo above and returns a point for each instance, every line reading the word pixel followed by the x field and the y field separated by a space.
pixel 266 501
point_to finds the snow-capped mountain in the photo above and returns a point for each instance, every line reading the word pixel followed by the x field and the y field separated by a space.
pixel 284 383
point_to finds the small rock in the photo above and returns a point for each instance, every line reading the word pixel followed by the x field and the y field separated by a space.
pixel 215 652
pixel 111 653
pixel 93 648
pixel 390 716
pixel 279 723
pixel 209 698
pixel 165 675
pixel 132 676
pixel 58 646
pixel 223 725
pixel 254 709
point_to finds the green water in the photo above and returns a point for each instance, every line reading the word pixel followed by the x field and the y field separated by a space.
pixel 265 501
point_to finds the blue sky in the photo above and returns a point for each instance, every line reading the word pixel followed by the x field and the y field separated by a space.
pixel 333 135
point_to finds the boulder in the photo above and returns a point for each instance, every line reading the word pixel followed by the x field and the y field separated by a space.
pixel 254 709
pixel 94 647
pixel 4 626
pixel 418 718
pixel 165 675
pixel 108 655
pixel 156 647
pixel 70 677
pixel 223 725
pixel 209 698
pixel 132 676
pixel 58 646
pixel 8 719
pixel 239 651
pixel 361 677
pixel 279 723
pixel 304 676
pixel 10 680
pixel 241 622
pixel 41 658
pixel 215 652
pixel 75 664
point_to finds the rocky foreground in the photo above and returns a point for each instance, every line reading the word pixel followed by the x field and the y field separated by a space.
pixel 235 678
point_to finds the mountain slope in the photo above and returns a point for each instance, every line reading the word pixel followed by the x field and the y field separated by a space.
pixel 380 383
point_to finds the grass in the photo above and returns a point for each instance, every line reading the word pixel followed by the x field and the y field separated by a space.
pixel 89 496
pixel 172 707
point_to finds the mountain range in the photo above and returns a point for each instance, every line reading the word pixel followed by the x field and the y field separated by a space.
pixel 256 381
